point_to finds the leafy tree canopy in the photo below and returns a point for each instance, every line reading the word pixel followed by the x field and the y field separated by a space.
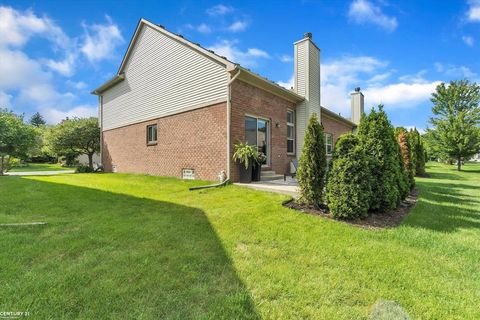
pixel 16 138
pixel 74 136
pixel 456 119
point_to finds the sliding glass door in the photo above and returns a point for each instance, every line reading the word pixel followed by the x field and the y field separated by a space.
pixel 257 132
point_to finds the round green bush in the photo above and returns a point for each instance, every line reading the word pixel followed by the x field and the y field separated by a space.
pixel 348 189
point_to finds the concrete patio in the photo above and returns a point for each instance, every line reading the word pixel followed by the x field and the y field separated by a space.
pixel 288 187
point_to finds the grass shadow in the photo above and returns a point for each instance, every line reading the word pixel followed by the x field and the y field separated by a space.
pixel 446 207
pixel 109 255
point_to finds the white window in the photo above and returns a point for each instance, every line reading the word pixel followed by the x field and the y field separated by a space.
pixel 290 132
pixel 152 134
pixel 328 143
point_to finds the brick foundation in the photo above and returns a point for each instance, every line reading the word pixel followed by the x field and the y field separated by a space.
pixel 194 139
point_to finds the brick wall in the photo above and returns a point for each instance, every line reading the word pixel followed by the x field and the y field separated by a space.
pixel 249 100
pixel 195 139
pixel 335 127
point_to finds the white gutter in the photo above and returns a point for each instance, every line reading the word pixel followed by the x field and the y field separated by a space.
pixel 229 112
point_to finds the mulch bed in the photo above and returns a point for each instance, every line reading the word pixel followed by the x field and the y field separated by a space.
pixel 373 221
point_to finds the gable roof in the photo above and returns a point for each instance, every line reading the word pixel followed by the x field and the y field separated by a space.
pixel 230 66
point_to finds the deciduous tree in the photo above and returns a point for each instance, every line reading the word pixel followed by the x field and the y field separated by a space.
pixel 16 138
pixel 456 119
pixel 75 136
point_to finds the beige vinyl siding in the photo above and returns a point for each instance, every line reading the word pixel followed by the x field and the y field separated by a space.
pixel 314 80
pixel 301 66
pixel 307 84
pixel 162 77
pixel 301 89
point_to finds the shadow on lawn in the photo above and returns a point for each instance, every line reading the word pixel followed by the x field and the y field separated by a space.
pixel 108 255
pixel 444 207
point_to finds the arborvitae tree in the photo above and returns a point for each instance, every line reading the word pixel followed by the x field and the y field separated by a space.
pixel 37 120
pixel 418 151
pixel 456 120
pixel 403 141
pixel 312 164
pixel 348 188
pixel 377 137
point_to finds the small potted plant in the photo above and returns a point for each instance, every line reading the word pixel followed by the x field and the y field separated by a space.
pixel 245 155
pixel 257 166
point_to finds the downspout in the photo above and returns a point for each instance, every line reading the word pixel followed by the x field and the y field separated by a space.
pixel 100 102
pixel 229 113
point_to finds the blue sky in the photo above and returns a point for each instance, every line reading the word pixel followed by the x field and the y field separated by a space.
pixel 53 53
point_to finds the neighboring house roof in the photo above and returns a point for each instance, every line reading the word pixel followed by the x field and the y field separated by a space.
pixel 338 117
pixel 245 74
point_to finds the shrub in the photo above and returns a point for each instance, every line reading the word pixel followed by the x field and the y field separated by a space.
pixel 377 138
pixel 404 143
pixel 312 164
pixel 83 169
pixel 348 189
pixel 401 176
pixel 418 151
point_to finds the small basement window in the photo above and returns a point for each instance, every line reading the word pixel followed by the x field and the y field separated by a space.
pixel 152 134
pixel 328 143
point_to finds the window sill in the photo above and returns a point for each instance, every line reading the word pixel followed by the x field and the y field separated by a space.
pixel 290 153
pixel 150 144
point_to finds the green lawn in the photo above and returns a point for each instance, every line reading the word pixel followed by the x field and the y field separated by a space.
pixel 40 167
pixel 133 246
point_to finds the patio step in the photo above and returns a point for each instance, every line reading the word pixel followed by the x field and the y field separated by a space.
pixel 270 175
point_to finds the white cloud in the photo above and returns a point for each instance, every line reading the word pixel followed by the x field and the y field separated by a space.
pixel 204 28
pixel 77 85
pixel 54 115
pixel 287 85
pixel 286 58
pixel 379 77
pixel 473 13
pixel 247 58
pixel 5 100
pixel 238 26
pixel 400 95
pixel 28 83
pixel 469 41
pixel 219 10
pixel 65 67
pixel 17 27
pixel 363 11
pixel 254 52
pixel 101 40
pixel 340 76
pixel 455 71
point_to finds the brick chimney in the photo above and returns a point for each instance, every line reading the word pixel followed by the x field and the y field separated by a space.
pixel 307 84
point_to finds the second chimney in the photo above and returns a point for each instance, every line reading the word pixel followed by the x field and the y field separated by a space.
pixel 357 105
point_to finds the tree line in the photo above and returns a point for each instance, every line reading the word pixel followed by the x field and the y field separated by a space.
pixel 37 141
pixel 374 170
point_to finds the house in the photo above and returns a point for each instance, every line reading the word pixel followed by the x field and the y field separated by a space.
pixel 176 109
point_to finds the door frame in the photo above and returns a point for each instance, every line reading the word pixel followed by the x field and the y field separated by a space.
pixel 269 137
